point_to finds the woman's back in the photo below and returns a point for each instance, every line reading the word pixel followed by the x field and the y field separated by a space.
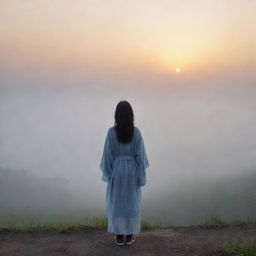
pixel 121 149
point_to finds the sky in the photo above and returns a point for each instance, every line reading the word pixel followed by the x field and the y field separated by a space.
pixel 59 39
pixel 64 65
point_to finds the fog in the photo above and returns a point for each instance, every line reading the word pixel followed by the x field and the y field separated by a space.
pixel 199 135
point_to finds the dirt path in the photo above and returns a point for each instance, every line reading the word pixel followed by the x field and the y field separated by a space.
pixel 167 241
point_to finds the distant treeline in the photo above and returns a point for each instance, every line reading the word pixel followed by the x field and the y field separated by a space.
pixel 26 198
pixel 232 197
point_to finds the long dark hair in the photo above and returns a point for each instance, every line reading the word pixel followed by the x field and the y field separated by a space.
pixel 124 122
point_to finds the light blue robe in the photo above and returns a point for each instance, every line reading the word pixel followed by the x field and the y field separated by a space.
pixel 123 167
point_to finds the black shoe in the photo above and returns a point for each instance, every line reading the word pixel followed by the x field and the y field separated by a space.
pixel 130 239
pixel 119 240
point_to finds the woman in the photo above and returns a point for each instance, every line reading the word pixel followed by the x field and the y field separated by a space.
pixel 123 164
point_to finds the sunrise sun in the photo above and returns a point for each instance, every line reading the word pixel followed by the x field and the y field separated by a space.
pixel 178 70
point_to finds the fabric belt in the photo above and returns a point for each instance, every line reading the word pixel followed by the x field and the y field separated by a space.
pixel 117 158
pixel 124 158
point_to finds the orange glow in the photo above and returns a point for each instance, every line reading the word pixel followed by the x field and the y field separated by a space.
pixel 103 36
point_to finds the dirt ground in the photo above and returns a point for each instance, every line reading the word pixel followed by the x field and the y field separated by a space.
pixel 176 241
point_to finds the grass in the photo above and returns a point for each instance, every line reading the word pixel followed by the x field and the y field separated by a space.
pixel 92 223
pixel 209 221
pixel 147 225
pixel 215 221
pixel 232 249
pixel 63 227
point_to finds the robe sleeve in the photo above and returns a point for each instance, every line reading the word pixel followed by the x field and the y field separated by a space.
pixel 106 159
pixel 141 159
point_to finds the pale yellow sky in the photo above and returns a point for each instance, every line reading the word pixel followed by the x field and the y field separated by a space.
pixel 162 35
